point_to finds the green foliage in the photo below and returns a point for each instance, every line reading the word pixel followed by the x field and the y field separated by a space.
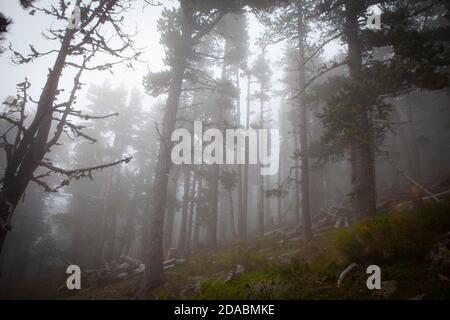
pixel 240 289
pixel 418 41
pixel 279 192
pixel 157 83
pixel 261 71
pixel 345 116
pixel 395 235
pixel 169 25
pixel 322 152
pixel 418 58
pixel 233 28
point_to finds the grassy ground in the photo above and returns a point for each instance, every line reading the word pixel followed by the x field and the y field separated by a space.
pixel 398 242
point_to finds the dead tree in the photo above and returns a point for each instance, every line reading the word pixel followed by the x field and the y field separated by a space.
pixel 28 142
pixel 5 22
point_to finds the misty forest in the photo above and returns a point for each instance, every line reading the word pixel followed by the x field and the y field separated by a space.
pixel 351 103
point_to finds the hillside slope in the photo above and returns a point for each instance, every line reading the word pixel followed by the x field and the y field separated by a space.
pixel 412 249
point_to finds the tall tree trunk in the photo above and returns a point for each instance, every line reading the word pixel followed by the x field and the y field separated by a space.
pixel 361 148
pixel 267 209
pixel 240 191
pixel 297 181
pixel 261 177
pixel 279 202
pixel 33 145
pixel 211 233
pixel 154 275
pixel 304 157
pixel 105 228
pixel 243 218
pixel 168 228
pixel 196 240
pixel 233 229
pixel 128 234
pixel 184 215
pixel 397 142
pixel 415 153
pixel 191 216
pixel 129 230
pixel 112 223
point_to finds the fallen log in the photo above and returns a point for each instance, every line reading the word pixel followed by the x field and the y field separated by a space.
pixel 169 263
pixel 344 273
pixel 403 174
pixel 130 260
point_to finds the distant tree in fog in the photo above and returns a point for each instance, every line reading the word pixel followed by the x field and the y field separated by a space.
pixel 27 146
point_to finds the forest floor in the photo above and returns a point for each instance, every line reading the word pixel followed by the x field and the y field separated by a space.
pixel 412 248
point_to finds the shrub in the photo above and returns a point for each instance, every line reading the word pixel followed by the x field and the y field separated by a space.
pixel 395 235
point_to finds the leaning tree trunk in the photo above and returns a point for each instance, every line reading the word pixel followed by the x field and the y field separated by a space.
pixel 306 210
pixel 361 148
pixel 154 275
pixel 33 145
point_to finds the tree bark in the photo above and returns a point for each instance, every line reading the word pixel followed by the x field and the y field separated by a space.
pixel 279 202
pixel 211 233
pixel 415 153
pixel 111 217
pixel 33 145
pixel 184 215
pixel 243 218
pixel 233 229
pixel 361 148
pixel 297 181
pixel 196 240
pixel 261 177
pixel 240 191
pixel 306 210
pixel 154 275
pixel 191 216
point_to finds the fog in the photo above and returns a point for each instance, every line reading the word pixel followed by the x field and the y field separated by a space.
pixel 103 167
